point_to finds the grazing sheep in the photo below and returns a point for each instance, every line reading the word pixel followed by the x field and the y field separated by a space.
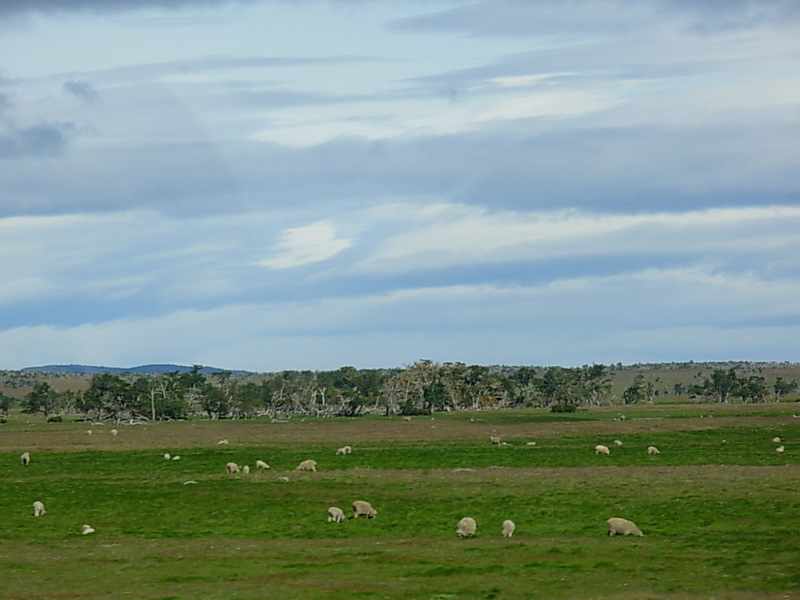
pixel 466 527
pixel 406 418
pixel 167 456
pixel 362 508
pixel 531 444
pixel 344 450
pixel 653 450
pixel 618 442
pixel 260 464
pixel 232 468
pixel 307 465
pixel 335 514
pixel 283 478
pixel 495 440
pixel 508 528
pixel 87 529
pixel 617 526
pixel 176 457
pixel 25 459
pixel 222 443
pixel 779 449
pixel 114 432
pixel 776 440
pixel 89 431
pixel 600 449
pixel 246 469
pixel 38 509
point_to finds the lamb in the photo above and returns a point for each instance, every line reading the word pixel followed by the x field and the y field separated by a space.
pixel 260 464
pixel 600 449
pixel 335 514
pixel 617 526
pixel 508 528
pixel 246 469
pixel 776 440
pixel 38 509
pixel 114 432
pixel 362 508
pixel 167 456
pixel 495 440
pixel 307 465
pixel 176 458
pixel 87 529
pixel 344 450
pixel 618 442
pixel 780 449
pixel 653 450
pixel 232 468
pixel 25 459
pixel 222 443
pixel 466 527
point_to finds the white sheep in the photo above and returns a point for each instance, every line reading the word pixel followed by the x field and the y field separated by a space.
pixel 617 526
pixel 653 450
pixel 232 468
pixel 362 508
pixel 176 457
pixel 335 514
pixel 406 418
pixel 246 469
pixel 260 464
pixel 344 450
pixel 222 443
pixel 531 444
pixel 114 432
pixel 600 449
pixel 167 456
pixel 508 528
pixel 466 527
pixel 38 509
pixel 776 440
pixel 89 432
pixel 25 459
pixel 87 529
pixel 495 440
pixel 618 442
pixel 780 449
pixel 307 465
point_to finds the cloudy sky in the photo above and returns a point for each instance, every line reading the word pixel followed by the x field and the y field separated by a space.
pixel 275 184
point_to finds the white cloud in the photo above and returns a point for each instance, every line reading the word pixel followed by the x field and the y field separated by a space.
pixel 306 245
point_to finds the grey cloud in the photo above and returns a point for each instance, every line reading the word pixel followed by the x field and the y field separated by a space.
pixel 80 89
pixel 44 139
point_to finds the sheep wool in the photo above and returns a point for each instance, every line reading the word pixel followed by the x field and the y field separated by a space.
pixel 653 450
pixel 466 527
pixel 335 514
pixel 87 529
pixel 25 459
pixel 618 526
pixel 344 450
pixel 508 528
pixel 362 508
pixel 600 449
pixel 260 464
pixel 38 509
pixel 307 465
pixel 232 468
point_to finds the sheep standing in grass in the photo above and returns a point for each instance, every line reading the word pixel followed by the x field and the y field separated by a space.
pixel 466 527
pixel 167 456
pixel 362 508
pixel 87 529
pixel 38 509
pixel 508 528
pixel 344 450
pixel 618 442
pixel 617 526
pixel 260 464
pixel 335 514
pixel 780 449
pixel 653 450
pixel 776 440
pixel 25 459
pixel 600 449
pixel 495 440
pixel 307 465
pixel 246 469
pixel 232 468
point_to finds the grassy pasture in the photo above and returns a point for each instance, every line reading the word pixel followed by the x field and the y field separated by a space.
pixel 719 507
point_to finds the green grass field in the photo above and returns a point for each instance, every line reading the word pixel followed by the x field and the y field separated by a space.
pixel 720 508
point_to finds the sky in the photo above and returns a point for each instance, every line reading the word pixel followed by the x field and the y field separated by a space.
pixel 310 184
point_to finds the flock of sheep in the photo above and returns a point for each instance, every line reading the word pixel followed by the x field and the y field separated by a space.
pixel 467 526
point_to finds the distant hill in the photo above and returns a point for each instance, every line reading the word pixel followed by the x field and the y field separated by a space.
pixel 91 369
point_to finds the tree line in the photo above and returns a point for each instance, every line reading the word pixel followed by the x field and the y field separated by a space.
pixel 421 388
